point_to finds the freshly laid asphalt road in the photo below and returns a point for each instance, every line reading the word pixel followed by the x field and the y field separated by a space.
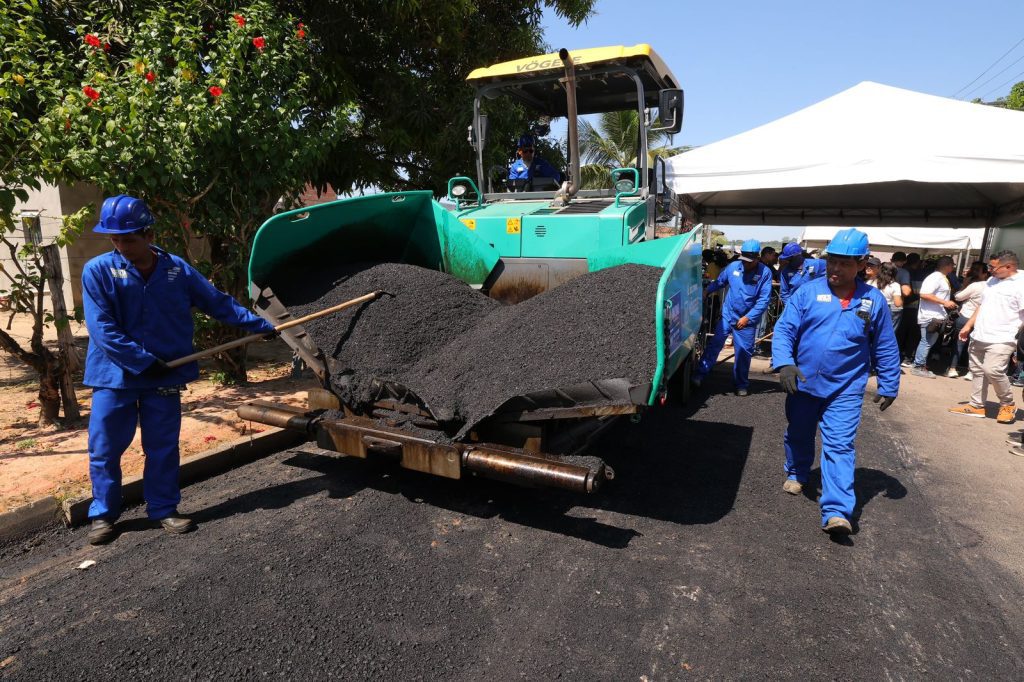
pixel 694 564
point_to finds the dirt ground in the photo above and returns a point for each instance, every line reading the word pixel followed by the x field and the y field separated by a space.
pixel 35 462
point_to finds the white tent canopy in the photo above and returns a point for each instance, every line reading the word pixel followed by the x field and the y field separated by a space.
pixel 905 238
pixel 870 155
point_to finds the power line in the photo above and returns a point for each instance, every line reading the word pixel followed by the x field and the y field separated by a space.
pixel 996 75
pixel 1000 87
pixel 957 93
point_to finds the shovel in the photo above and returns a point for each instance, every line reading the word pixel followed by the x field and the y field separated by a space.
pixel 372 296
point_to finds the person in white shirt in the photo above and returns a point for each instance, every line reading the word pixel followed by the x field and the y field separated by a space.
pixel 935 301
pixel 969 296
pixel 995 323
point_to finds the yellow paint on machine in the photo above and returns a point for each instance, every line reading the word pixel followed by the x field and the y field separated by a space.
pixel 469 222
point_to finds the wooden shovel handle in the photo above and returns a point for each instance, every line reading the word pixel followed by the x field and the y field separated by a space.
pixel 281 327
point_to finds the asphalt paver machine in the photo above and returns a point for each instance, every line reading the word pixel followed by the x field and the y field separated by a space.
pixel 510 245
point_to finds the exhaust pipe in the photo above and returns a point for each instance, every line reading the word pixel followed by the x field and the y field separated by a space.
pixel 572 185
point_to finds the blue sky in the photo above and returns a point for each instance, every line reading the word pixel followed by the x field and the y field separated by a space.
pixel 745 63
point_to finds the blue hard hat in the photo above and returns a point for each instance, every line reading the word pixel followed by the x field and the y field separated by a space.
pixel 848 242
pixel 751 246
pixel 123 214
pixel 790 250
pixel 526 141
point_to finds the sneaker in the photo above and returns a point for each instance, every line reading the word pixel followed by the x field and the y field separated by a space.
pixel 837 525
pixel 1019 451
pixel 742 392
pixel 907 363
pixel 968 410
pixel 101 532
pixel 969 377
pixel 1017 382
pixel 793 487
pixel 1007 414
pixel 952 373
pixel 1015 438
pixel 922 372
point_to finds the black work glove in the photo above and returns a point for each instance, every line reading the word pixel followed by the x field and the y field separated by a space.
pixel 884 400
pixel 787 377
pixel 157 370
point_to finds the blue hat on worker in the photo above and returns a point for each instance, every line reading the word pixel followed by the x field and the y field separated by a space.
pixel 848 242
pixel 790 250
pixel 122 215
pixel 526 141
pixel 751 246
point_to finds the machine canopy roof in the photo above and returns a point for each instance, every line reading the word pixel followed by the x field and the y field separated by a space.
pixel 870 155
pixel 534 80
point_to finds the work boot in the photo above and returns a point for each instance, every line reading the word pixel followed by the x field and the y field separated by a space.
pixel 742 392
pixel 101 532
pixel 1007 414
pixel 793 487
pixel 177 524
pixel 837 525
pixel 968 410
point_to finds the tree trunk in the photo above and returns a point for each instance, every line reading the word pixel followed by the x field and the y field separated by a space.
pixel 49 394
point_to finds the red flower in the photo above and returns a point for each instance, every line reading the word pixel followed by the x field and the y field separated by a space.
pixel 240 20
pixel 91 92
pixel 300 34
pixel 259 43
pixel 106 47
pixel 150 76
pixel 301 25
pixel 92 40
pixel 215 91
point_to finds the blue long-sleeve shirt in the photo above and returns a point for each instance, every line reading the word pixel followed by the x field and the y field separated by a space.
pixel 748 293
pixel 791 280
pixel 540 168
pixel 133 321
pixel 836 348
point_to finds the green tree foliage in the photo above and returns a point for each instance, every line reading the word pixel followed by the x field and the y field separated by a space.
pixel 1015 100
pixel 404 64
pixel 612 143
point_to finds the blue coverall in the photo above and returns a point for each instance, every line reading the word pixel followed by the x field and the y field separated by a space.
pixel 132 321
pixel 834 349
pixel 748 295
pixel 538 169
pixel 791 280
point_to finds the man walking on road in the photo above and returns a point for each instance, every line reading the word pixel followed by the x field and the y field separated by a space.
pixel 994 324
pixel 749 285
pixel 138 303
pixel 832 332
pixel 933 311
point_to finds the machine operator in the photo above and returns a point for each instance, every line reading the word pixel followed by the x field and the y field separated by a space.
pixel 529 166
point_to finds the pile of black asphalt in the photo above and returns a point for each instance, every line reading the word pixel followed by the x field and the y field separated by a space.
pixel 464 355
pixel 691 564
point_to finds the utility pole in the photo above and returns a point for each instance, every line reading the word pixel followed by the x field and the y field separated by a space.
pixel 65 341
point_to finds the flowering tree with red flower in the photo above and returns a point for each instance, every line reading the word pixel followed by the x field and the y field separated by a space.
pixel 214 142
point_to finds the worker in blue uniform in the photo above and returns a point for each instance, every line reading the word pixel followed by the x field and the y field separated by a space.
pixel 528 166
pixel 832 332
pixel 138 302
pixel 749 284
pixel 795 269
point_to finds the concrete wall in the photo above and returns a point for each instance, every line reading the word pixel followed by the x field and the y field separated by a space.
pixel 53 202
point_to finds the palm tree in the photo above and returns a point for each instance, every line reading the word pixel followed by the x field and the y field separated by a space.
pixel 613 144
